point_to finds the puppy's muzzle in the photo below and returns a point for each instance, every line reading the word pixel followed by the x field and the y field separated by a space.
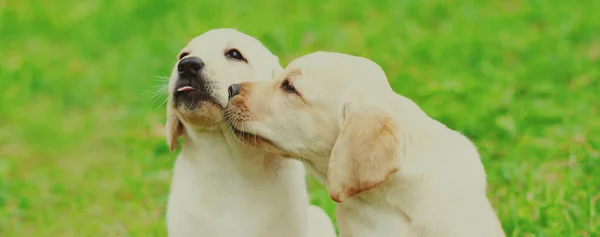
pixel 192 86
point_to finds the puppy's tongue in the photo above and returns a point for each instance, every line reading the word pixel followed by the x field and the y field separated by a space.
pixel 185 88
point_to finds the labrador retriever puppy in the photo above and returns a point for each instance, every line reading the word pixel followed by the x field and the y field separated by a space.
pixel 393 170
pixel 221 187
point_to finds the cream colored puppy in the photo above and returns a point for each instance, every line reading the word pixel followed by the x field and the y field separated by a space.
pixel 221 187
pixel 394 170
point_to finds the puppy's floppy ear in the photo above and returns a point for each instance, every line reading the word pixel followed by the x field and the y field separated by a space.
pixel 173 128
pixel 364 154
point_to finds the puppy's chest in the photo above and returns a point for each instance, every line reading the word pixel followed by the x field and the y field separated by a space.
pixel 383 211
pixel 213 201
pixel 229 194
pixel 240 212
pixel 373 220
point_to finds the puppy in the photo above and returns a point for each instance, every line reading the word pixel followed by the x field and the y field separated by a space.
pixel 220 186
pixel 393 170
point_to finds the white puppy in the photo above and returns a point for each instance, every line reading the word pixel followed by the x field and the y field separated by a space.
pixel 394 170
pixel 221 187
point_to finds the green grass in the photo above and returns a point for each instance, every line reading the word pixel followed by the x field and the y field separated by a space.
pixel 81 146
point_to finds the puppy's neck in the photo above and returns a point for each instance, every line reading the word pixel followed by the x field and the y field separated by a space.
pixel 219 147
pixel 318 167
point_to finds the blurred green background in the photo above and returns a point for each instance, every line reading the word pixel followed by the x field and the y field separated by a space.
pixel 81 146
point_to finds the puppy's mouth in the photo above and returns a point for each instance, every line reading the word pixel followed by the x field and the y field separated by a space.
pixel 185 89
pixel 252 139
pixel 192 92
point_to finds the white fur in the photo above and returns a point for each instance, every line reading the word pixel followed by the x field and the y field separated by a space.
pixel 220 187
pixel 439 188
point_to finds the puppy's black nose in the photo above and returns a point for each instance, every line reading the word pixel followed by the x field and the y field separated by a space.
pixel 190 66
pixel 233 90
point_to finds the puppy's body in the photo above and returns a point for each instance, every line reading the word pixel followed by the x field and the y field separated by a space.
pixel 220 191
pixel 395 171
pixel 438 190
pixel 221 187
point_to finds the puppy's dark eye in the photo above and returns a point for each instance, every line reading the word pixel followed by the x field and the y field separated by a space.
pixel 288 87
pixel 183 54
pixel 235 54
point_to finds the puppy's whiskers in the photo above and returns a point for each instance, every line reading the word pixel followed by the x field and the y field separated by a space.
pixel 162 78
pixel 160 94
pixel 231 123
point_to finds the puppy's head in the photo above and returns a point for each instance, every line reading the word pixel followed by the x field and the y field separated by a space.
pixel 330 109
pixel 205 68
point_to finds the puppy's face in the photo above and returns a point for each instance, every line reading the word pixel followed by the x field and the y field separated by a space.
pixel 205 68
pixel 323 108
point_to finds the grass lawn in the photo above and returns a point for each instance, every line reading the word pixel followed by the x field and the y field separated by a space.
pixel 81 145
